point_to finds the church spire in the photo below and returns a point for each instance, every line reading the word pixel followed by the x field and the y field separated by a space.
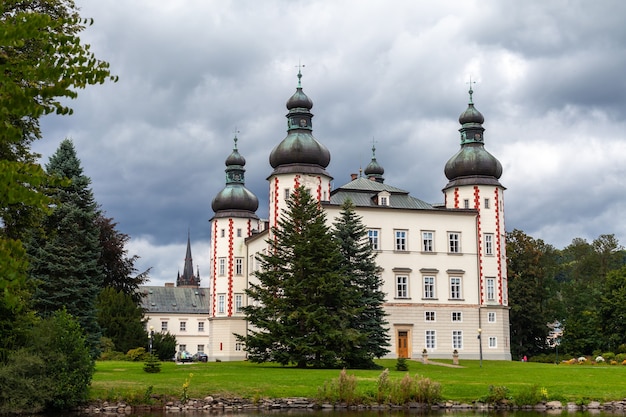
pixel 188 278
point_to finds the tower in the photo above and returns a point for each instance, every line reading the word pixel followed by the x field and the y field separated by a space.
pixel 373 170
pixel 188 279
pixel 299 160
pixel 473 175
pixel 233 222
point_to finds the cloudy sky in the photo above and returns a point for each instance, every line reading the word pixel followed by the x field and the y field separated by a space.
pixel 550 82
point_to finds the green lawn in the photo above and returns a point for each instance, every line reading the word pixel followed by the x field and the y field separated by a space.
pixel 123 380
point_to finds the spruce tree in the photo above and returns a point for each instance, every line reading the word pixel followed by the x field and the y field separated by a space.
pixel 359 265
pixel 121 319
pixel 301 314
pixel 64 252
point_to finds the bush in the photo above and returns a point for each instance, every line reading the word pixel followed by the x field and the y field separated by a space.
pixel 497 394
pixel 531 396
pixel 137 354
pixel 342 389
pixel 152 365
pixel 165 346
pixel 52 373
pixel 402 365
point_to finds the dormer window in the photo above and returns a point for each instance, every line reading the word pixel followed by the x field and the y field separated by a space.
pixel 383 198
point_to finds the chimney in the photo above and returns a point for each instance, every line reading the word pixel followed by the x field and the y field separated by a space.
pixel 354 176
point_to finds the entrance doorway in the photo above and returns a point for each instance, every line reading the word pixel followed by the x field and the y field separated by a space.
pixel 403 344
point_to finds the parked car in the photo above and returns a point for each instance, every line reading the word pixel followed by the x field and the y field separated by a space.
pixel 184 356
pixel 200 357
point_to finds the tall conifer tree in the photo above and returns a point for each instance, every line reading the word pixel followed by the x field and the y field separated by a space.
pixel 64 253
pixel 302 314
pixel 359 265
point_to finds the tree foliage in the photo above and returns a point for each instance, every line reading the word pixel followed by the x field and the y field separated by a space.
pixel 121 319
pixel 64 253
pixel 359 267
pixel 118 268
pixel 303 311
pixel 42 61
pixel 53 371
pixel 532 291
pixel 164 346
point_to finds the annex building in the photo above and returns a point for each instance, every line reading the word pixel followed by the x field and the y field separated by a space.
pixel 443 265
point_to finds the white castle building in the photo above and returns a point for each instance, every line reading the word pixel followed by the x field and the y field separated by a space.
pixel 443 265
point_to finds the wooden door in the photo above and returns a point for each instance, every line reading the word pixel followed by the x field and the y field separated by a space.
pixel 403 344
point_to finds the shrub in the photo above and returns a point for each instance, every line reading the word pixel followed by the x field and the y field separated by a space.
pixel 52 373
pixel 608 356
pixel 402 365
pixel 383 386
pixel 137 354
pixel 152 365
pixel 497 394
pixel 165 346
pixel 418 389
pixel 531 395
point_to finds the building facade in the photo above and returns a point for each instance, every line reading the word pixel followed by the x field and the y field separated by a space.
pixel 443 265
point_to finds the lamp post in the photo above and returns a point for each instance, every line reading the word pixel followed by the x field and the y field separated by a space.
pixel 150 337
pixel 480 347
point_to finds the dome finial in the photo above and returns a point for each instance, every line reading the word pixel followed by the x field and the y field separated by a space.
pixel 300 66
pixel 235 139
pixel 471 91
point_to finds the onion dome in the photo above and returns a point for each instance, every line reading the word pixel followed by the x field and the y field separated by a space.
pixel 235 200
pixel 373 170
pixel 299 152
pixel 472 164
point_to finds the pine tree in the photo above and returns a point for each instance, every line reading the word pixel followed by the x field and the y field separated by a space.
pixel 359 265
pixel 64 253
pixel 302 315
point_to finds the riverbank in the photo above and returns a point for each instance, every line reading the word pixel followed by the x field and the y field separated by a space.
pixel 231 405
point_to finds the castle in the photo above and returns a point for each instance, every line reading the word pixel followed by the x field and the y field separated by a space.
pixel 443 265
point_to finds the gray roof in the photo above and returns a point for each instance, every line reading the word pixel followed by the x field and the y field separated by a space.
pixel 184 300
pixel 363 192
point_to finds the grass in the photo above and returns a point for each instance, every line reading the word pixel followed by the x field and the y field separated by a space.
pixel 117 380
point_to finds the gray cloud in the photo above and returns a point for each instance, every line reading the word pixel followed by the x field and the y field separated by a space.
pixel 548 81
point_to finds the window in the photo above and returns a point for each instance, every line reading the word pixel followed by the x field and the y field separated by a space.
pixel 238 346
pixel 457 339
pixel 401 240
pixel 431 339
pixel 200 348
pixel 491 290
pixel 454 240
pixel 429 316
pixel 182 347
pixel 200 326
pixel 402 286
pixel 222 232
pixel 183 326
pixel 238 303
pixel 221 266
pixel 238 266
pixel 488 243
pixel 383 201
pixel 220 303
pixel 457 316
pixel 491 317
pixel 286 193
pixel 466 203
pixel 429 287
pixel 455 288
pixel 238 232
pixel 486 203
pixel 372 235
pixel 428 241
pixel 493 342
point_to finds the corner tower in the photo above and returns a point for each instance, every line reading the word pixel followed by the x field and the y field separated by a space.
pixel 234 220
pixel 474 183
pixel 299 160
